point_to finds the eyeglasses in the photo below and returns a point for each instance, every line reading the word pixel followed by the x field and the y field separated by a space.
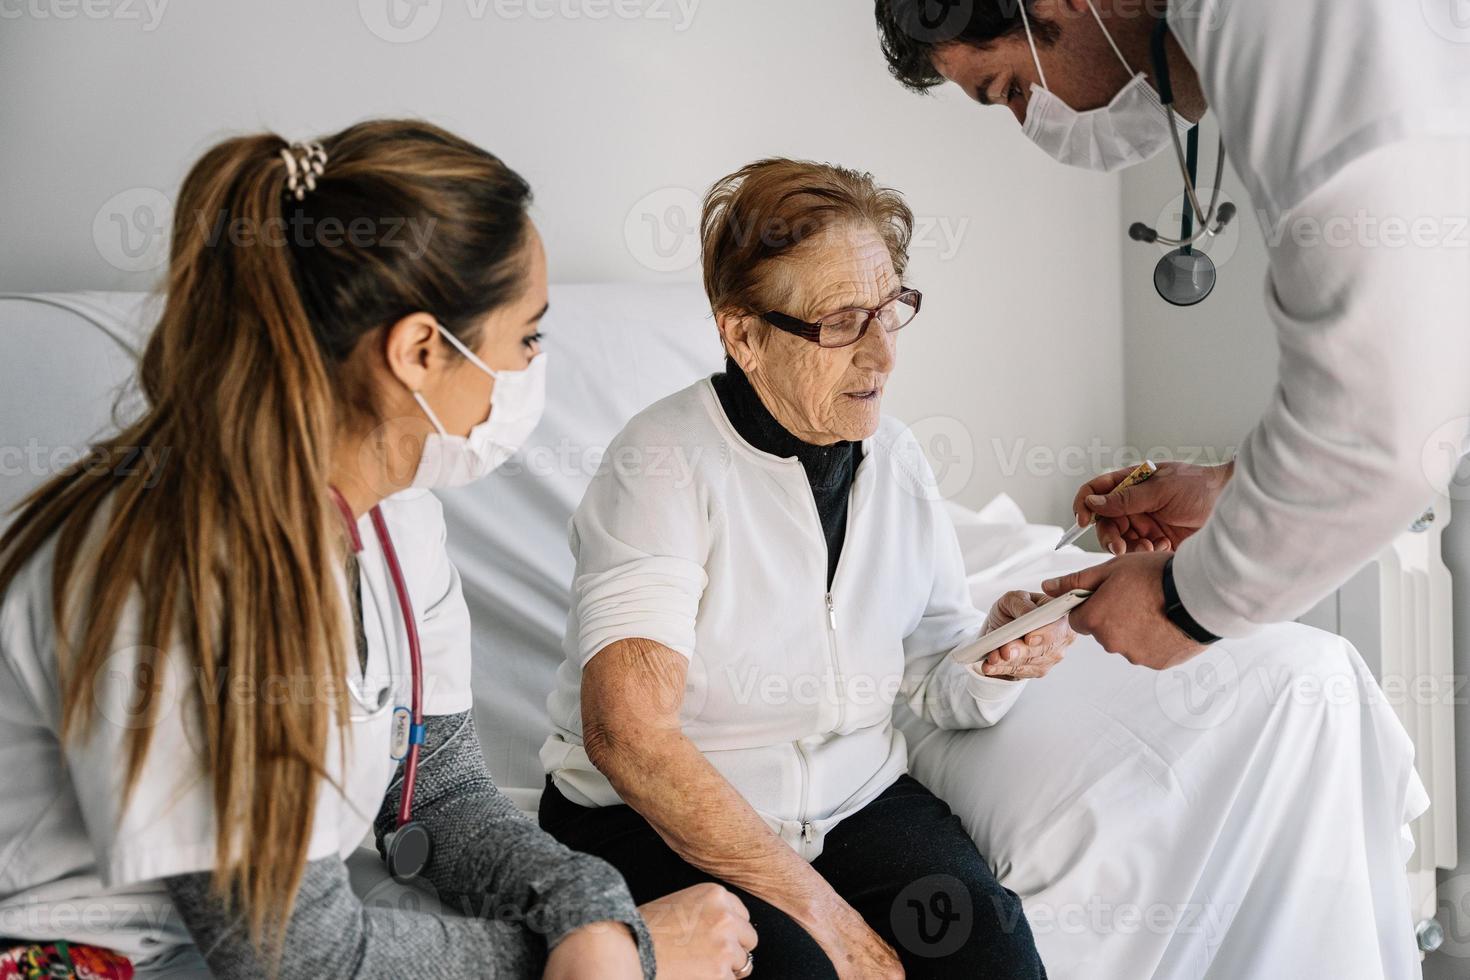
pixel 846 327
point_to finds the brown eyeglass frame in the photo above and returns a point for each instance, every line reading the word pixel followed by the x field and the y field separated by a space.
pixel 813 331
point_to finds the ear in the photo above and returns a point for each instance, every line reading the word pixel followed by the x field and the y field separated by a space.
pixel 410 347
pixel 738 333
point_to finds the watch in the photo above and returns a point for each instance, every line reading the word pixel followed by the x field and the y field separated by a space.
pixel 1177 614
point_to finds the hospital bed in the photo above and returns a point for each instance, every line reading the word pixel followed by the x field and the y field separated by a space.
pixel 1202 822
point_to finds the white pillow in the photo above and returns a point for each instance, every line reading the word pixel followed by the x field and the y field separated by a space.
pixel 996 540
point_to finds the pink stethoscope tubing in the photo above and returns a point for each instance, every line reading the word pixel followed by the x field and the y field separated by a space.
pixel 415 654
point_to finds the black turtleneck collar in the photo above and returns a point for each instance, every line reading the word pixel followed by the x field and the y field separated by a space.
pixel 824 465
pixel 829 469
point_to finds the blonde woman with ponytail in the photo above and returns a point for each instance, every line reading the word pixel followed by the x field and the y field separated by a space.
pixel 199 670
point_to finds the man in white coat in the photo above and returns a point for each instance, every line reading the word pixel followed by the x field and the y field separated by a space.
pixel 1349 124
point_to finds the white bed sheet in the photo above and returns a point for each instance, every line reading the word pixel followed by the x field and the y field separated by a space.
pixel 1241 816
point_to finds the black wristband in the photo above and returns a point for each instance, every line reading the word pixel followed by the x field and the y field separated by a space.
pixel 1178 615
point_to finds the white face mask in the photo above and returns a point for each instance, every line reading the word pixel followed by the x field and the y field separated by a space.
pixel 516 402
pixel 1129 129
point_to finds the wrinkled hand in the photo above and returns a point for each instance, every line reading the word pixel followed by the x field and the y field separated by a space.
pixel 856 951
pixel 700 933
pixel 1126 610
pixel 1155 515
pixel 1033 654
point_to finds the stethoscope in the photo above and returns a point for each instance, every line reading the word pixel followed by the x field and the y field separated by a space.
pixel 407 846
pixel 1184 276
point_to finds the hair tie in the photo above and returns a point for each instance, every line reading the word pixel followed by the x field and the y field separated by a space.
pixel 304 164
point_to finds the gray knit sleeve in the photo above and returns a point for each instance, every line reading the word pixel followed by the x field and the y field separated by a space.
pixel 487 855
pixel 332 935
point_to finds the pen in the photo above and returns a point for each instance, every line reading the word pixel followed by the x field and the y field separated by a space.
pixel 1143 471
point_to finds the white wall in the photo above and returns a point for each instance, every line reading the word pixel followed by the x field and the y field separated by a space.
pixel 619 123
pixel 1200 377
pixel 1197 377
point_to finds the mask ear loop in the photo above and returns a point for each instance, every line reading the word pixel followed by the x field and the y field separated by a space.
pixel 1035 58
pixel 470 355
pixel 439 426
pixel 1111 43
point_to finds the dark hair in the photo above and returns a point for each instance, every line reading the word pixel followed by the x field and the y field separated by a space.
pixel 768 208
pixel 910 31
pixel 448 228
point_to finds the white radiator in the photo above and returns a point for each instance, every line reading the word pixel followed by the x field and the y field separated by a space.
pixel 1398 612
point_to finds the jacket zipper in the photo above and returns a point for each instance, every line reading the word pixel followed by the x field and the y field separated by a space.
pixel 808 832
pixel 832 608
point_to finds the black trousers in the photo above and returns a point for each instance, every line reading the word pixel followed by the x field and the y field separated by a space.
pixel 903 862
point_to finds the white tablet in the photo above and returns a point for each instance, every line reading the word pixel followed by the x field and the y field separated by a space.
pixel 1043 615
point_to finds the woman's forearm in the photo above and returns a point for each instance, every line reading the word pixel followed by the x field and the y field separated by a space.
pixel 331 933
pixel 488 858
pixel 630 696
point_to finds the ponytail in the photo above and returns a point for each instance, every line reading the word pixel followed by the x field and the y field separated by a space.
pixel 232 551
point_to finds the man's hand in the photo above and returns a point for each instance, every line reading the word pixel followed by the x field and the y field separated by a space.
pixel 700 933
pixel 1155 515
pixel 1126 611
pixel 1033 654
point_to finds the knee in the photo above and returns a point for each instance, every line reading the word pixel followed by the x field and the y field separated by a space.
pixel 945 927
pixel 1003 945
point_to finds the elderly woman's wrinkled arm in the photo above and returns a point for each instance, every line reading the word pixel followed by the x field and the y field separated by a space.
pixel 632 691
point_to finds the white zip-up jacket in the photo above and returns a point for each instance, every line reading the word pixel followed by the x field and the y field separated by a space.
pixel 691 537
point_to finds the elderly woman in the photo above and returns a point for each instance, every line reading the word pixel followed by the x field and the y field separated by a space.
pixel 744 622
